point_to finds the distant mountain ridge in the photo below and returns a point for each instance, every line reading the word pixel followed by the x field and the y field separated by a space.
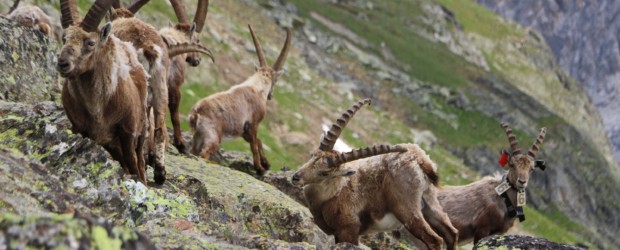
pixel 584 37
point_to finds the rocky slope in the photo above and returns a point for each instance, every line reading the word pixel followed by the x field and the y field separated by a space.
pixel 439 81
pixel 583 37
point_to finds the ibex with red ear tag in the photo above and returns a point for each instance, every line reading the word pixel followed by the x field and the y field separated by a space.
pixel 104 93
pixel 238 111
pixel 373 189
pixel 490 206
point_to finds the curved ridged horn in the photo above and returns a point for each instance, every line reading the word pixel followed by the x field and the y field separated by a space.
pixel 334 132
pixel 68 12
pixel 512 139
pixel 136 5
pixel 363 153
pixel 15 4
pixel 201 14
pixel 179 10
pixel 284 52
pixel 259 49
pixel 537 143
pixel 116 4
pixel 95 14
pixel 177 49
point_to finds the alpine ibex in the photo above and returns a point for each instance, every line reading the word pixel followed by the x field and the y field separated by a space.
pixel 154 50
pixel 179 34
pixel 489 206
pixel 373 189
pixel 104 92
pixel 31 16
pixel 238 111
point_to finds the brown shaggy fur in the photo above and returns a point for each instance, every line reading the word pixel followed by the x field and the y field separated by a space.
pixel 151 46
pixel 104 95
pixel 373 189
pixel 33 16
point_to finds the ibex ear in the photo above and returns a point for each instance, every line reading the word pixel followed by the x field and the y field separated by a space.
pixel 541 164
pixel 105 31
pixel 192 29
pixel 165 40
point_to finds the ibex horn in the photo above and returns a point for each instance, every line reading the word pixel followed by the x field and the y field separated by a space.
pixel 136 5
pixel 363 153
pixel 95 14
pixel 334 132
pixel 15 4
pixel 201 14
pixel 282 57
pixel 537 143
pixel 68 12
pixel 512 139
pixel 179 10
pixel 182 48
pixel 116 4
pixel 259 49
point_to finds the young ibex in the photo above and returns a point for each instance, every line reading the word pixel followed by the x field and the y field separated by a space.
pixel 154 50
pixel 31 16
pixel 373 189
pixel 104 94
pixel 182 33
pixel 484 208
pixel 238 111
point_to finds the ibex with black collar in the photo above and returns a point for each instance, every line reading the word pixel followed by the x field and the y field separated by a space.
pixel 238 111
pixel 490 206
pixel 373 189
pixel 104 92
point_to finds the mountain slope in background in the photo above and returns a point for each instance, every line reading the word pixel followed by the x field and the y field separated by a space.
pixel 583 36
pixel 441 73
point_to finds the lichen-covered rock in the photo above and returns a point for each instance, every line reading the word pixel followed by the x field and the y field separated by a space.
pixel 46 169
pixel 67 231
pixel 509 242
pixel 18 54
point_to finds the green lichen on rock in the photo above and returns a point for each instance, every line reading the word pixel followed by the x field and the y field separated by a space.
pixel 66 231
pixel 26 50
pixel 518 242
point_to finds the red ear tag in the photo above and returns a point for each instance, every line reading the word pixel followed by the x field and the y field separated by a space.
pixel 503 159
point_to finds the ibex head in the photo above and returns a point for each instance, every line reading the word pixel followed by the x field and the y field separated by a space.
pixel 81 39
pixel 522 165
pixel 325 163
pixel 191 31
pixel 272 72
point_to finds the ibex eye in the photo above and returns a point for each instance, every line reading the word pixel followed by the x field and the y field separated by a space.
pixel 324 174
pixel 90 43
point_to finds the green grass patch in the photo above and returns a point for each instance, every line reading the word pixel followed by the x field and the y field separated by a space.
pixel 388 23
pixel 553 226
pixel 476 18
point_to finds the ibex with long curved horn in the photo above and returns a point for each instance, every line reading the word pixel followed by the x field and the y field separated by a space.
pixel 31 16
pixel 373 189
pixel 183 34
pixel 489 206
pixel 104 92
pixel 238 111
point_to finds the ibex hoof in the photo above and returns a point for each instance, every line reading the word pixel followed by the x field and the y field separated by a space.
pixel 182 149
pixel 265 164
pixel 160 177
pixel 260 171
